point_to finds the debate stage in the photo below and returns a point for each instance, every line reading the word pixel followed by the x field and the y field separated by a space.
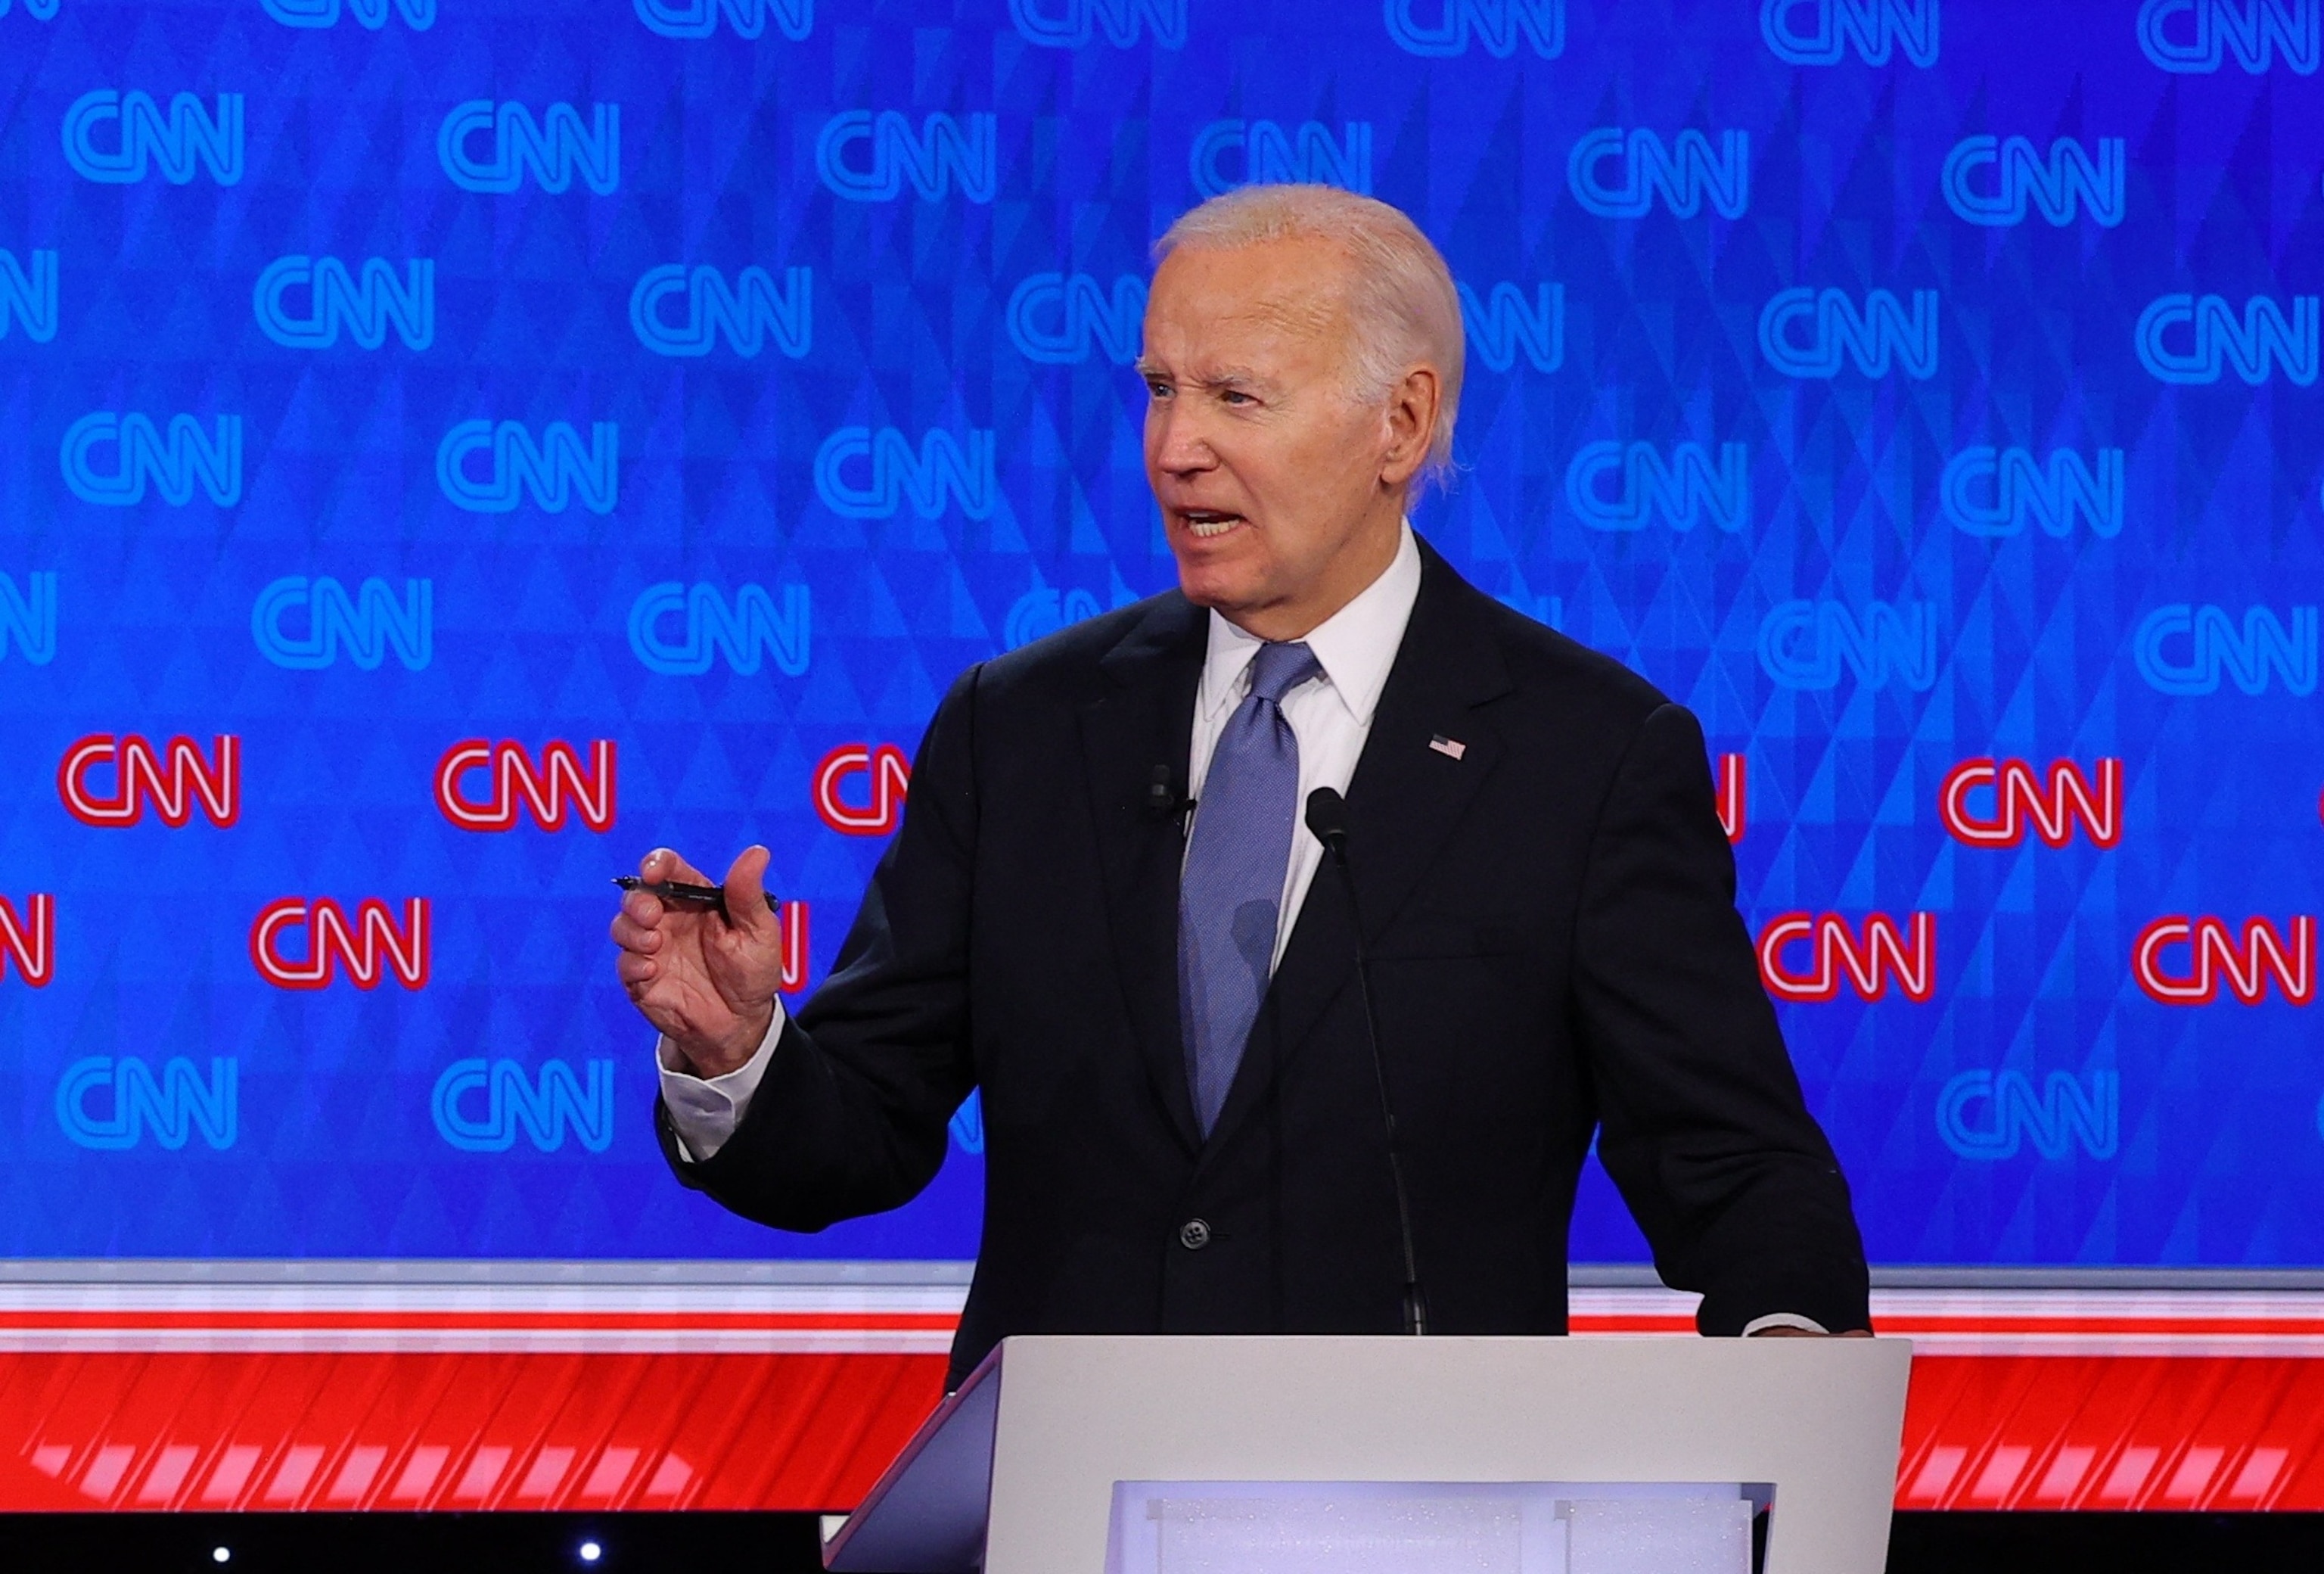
pixel 665 1409
pixel 450 447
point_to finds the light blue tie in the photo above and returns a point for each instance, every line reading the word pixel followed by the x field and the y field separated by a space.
pixel 1231 893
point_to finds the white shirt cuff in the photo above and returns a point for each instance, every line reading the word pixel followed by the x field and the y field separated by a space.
pixel 705 1110
pixel 1790 1319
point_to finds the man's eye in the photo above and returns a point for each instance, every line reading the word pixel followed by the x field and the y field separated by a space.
pixel 1158 390
pixel 1236 396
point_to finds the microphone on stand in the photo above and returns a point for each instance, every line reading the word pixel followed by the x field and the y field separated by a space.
pixel 1327 821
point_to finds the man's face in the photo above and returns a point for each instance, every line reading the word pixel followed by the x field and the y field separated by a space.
pixel 1268 475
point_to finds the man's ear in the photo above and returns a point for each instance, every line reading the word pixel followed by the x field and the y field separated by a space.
pixel 1412 407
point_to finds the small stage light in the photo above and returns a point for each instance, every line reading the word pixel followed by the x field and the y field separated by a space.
pixel 591 1551
pixel 221 1554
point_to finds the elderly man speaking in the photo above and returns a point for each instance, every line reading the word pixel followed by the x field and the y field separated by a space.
pixel 1107 909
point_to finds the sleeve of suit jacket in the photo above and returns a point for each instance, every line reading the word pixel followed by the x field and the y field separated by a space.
pixel 1702 1127
pixel 851 1116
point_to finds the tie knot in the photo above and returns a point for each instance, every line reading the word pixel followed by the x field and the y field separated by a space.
pixel 1279 667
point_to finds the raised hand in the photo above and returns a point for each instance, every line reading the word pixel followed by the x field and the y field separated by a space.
pixel 706 982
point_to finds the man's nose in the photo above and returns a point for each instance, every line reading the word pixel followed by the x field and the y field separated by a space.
pixel 1180 447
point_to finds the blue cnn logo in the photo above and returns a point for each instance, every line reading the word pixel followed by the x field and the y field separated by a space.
pixel 115 138
pixel 28 294
pixel 2195 339
pixel 363 627
pixel 1683 173
pixel 1993 181
pixel 1837 333
pixel 1497 24
pixel 305 303
pixel 2196 36
pixel 1043 610
pixel 1272 154
pixel 109 459
pixel 479 1104
pixel 1807 645
pixel 948 152
pixel 793 19
pixel 38 9
pixel 743 630
pixel 747 313
pixel 1504 324
pixel 1680 489
pixel 1820 33
pixel 418 16
pixel 1549 610
pixel 28 617
pixel 554 471
pixel 1072 24
pixel 892 470
pixel 2183 650
pixel 490 147
pixel 1996 492
pixel 1058 319
pixel 1991 1114
pixel 113 1105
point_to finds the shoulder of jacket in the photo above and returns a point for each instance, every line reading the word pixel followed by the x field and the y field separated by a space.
pixel 1544 662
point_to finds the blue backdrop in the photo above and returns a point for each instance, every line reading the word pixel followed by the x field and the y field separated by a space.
pixel 445 449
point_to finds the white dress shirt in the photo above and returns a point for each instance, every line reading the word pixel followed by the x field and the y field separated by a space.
pixel 1331 714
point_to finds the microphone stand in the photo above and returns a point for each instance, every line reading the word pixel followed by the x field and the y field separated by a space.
pixel 1327 821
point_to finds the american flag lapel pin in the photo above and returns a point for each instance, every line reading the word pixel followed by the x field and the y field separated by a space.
pixel 1452 748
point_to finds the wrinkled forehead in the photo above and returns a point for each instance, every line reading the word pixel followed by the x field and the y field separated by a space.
pixel 1287 296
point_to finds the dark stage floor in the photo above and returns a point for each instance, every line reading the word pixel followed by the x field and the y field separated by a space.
pixel 776 1544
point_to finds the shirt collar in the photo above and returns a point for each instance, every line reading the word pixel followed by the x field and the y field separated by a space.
pixel 1355 646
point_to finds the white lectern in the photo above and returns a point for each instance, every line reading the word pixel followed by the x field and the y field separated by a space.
pixel 1234 1455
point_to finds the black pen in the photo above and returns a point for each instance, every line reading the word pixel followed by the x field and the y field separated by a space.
pixel 681 892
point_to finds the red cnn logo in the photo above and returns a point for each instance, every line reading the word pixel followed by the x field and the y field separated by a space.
pixel 1867 960
pixel 2213 952
pixel 1733 795
pixel 139 778
pixel 333 943
pixel 32 948
pixel 892 778
pixel 2020 798
pixel 794 923
pixel 547 789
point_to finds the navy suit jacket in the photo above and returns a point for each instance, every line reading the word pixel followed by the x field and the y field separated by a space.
pixel 1556 950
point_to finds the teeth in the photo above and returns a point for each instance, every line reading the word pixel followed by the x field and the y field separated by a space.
pixel 1204 525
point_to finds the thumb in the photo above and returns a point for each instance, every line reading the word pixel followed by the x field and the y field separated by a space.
pixel 746 894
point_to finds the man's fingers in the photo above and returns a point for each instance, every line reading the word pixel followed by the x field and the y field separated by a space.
pixel 682 967
pixel 664 864
pixel 632 933
pixel 746 893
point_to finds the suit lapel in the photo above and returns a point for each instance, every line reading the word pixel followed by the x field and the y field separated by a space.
pixel 1405 800
pixel 1145 718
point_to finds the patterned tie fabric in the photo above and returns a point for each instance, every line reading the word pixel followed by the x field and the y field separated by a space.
pixel 1233 886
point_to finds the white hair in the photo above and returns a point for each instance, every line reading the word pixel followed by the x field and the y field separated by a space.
pixel 1401 298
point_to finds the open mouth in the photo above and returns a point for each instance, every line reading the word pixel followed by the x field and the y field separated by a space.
pixel 1205 524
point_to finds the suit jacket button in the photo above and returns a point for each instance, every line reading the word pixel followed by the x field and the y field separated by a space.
pixel 1195 1235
